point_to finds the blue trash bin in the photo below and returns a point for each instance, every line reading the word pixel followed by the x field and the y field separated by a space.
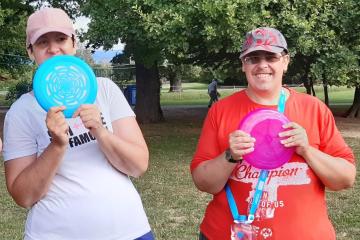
pixel 130 94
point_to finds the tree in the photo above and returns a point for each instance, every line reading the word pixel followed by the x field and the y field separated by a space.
pixel 206 33
pixel 209 33
pixel 173 74
pixel 351 39
pixel 324 42
pixel 322 36
pixel 123 69
pixel 111 20
pixel 154 30
pixel 13 57
pixel 85 54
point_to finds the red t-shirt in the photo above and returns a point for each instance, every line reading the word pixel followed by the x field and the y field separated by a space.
pixel 293 204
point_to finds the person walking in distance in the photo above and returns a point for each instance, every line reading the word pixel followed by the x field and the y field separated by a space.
pixel 213 92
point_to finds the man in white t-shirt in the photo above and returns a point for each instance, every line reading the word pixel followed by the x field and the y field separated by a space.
pixel 73 173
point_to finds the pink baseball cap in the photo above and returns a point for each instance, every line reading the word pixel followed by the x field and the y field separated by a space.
pixel 48 20
pixel 264 39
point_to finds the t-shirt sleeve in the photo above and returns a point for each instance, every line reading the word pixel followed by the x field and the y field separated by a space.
pixel 19 140
pixel 331 141
pixel 118 105
pixel 208 146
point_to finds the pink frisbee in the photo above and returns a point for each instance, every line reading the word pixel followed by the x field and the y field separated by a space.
pixel 265 125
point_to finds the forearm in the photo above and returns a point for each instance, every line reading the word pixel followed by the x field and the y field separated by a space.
pixel 129 157
pixel 34 181
pixel 211 176
pixel 335 173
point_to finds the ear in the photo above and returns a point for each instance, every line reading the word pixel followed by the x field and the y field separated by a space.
pixel 75 48
pixel 242 66
pixel 286 62
pixel 30 53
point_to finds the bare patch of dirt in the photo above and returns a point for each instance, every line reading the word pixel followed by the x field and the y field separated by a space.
pixel 349 127
pixel 194 114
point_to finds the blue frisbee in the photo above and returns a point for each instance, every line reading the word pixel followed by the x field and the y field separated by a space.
pixel 64 81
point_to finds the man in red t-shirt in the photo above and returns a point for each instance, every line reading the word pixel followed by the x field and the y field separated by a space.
pixel 292 204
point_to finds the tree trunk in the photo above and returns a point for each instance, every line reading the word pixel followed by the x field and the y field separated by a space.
pixel 308 82
pixel 326 94
pixel 175 81
pixel 312 88
pixel 175 84
pixel 147 107
pixel 354 111
pixel 307 85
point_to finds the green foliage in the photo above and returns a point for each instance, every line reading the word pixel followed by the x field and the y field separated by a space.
pixel 323 39
pixel 123 69
pixel 17 89
pixel 198 32
pixel 113 20
pixel 186 73
pixel 13 57
pixel 71 7
pixel 322 35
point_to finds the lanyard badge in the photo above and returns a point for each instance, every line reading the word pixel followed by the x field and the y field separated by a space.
pixel 242 231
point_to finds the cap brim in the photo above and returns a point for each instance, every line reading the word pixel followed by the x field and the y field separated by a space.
pixel 266 48
pixel 35 36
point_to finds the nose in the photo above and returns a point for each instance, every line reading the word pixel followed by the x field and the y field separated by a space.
pixel 263 62
pixel 53 48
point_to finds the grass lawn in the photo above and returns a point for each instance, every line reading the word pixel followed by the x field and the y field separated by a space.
pixel 344 206
pixel 196 94
pixel 11 216
pixel 173 204
pixel 175 207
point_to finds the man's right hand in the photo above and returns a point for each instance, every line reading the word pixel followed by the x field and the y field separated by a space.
pixel 240 143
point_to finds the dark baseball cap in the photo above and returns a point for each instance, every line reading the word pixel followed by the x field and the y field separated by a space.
pixel 264 39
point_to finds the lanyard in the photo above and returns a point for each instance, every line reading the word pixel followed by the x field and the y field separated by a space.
pixel 259 186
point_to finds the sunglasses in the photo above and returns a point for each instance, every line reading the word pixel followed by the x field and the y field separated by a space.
pixel 270 58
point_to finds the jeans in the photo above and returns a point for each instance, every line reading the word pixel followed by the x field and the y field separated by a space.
pixel 213 98
pixel 147 236
pixel 202 236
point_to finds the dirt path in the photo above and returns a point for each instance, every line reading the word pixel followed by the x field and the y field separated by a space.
pixel 349 127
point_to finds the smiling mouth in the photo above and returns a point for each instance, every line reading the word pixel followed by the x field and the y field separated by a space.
pixel 264 76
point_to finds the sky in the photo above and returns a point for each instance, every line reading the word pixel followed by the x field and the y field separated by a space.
pixel 100 56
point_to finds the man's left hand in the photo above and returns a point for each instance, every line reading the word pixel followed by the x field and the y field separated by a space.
pixel 295 136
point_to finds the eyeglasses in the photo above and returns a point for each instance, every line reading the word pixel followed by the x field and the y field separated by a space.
pixel 270 58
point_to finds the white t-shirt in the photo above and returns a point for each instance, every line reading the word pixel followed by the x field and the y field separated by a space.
pixel 88 198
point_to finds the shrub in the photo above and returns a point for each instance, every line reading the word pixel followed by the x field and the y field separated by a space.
pixel 17 89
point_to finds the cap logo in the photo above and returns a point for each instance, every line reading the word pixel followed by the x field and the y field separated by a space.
pixel 261 37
